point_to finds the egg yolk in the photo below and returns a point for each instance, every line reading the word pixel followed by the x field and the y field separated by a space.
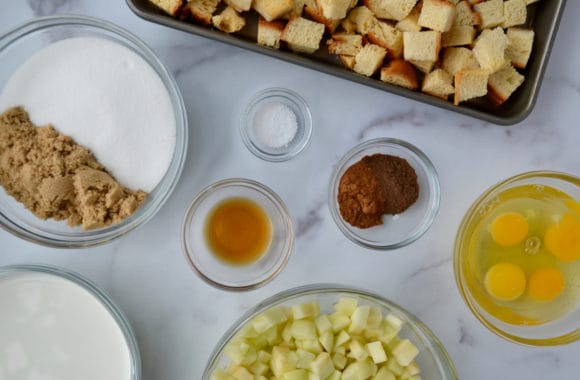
pixel 545 284
pixel 509 229
pixel 563 239
pixel 505 281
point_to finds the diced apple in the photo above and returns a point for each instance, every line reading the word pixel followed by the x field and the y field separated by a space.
pixel 269 318
pixel 339 349
pixel 388 333
pixel 394 321
pixel 339 321
pixel 297 374
pixel 394 342
pixel 305 310
pixel 259 368
pixel 375 318
pixel 411 370
pixel 384 374
pixel 310 345
pixel 282 360
pixel 322 365
pixel 241 373
pixel 336 375
pixel 304 329
pixel 346 305
pixel 323 324
pixel 311 376
pixel 327 340
pixel 339 361
pixel 360 370
pixel 405 352
pixel 264 356
pixel 341 338
pixel 236 351
pixel 416 377
pixel 359 319
pixel 377 352
pixel 250 357
pixel 286 333
pixel 357 351
pixel 220 374
pixel 394 366
pixel 304 358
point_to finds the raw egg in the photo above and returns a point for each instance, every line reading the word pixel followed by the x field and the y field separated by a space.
pixel 563 239
pixel 545 284
pixel 509 229
pixel 505 281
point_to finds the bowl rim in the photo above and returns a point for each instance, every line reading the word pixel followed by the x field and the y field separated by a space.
pixel 169 181
pixel 432 178
pixel 442 357
pixel 296 147
pixel 100 295
pixel 250 184
pixel 458 254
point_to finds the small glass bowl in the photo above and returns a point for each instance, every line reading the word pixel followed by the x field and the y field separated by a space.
pixel 100 296
pixel 303 117
pixel 236 277
pixel 397 230
pixel 563 330
pixel 16 46
pixel 433 359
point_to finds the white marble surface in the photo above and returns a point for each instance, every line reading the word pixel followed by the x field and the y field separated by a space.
pixel 178 318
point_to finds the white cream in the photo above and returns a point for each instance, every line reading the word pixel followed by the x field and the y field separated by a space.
pixel 53 329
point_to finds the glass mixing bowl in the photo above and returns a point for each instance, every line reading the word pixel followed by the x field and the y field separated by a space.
pixel 433 360
pixel 19 44
pixel 562 330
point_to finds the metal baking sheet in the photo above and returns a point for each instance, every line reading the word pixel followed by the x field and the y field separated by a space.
pixel 543 16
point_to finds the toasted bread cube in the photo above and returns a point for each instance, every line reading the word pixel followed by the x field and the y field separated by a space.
pixel 458 36
pixel 303 35
pixel 490 49
pixel 240 5
pixel 465 15
pixel 387 36
pixel 456 59
pixel 345 44
pixel 171 7
pixel 491 13
pixel 514 12
pixel 421 46
pixel 348 61
pixel 315 13
pixel 334 9
pixel 360 19
pixel 410 23
pixel 272 9
pixel 201 10
pixel 470 84
pixel 438 83
pixel 502 84
pixel 400 73
pixel 229 21
pixel 378 8
pixel 398 9
pixel 528 2
pixel 437 15
pixel 519 46
pixel 424 66
pixel 369 59
pixel 269 33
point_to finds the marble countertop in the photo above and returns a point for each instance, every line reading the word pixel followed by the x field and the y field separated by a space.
pixel 178 318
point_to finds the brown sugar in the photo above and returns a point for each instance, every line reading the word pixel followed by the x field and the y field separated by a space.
pixel 56 178
pixel 376 185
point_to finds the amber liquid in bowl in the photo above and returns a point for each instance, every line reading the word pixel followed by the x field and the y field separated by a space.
pixel 238 231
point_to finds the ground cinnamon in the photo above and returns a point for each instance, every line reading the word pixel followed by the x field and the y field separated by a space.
pixel 376 185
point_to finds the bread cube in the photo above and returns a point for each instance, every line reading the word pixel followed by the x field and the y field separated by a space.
pixel 519 46
pixel 229 21
pixel 360 19
pixel 465 15
pixel 369 59
pixel 201 10
pixel 515 13
pixel 303 35
pixel 400 73
pixel 348 61
pixel 437 15
pixel 315 13
pixel 171 7
pixel 378 8
pixel 272 9
pixel 490 49
pixel 398 9
pixel 459 35
pixel 491 13
pixel 456 59
pixel 345 44
pixel 335 9
pixel 410 23
pixel 470 84
pixel 424 66
pixel 269 33
pixel 502 84
pixel 387 36
pixel 438 83
pixel 240 5
pixel 421 46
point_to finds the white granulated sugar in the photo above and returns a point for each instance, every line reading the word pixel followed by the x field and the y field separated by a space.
pixel 107 98
pixel 275 124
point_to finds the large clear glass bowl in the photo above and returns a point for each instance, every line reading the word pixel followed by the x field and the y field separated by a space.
pixel 433 359
pixel 19 44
